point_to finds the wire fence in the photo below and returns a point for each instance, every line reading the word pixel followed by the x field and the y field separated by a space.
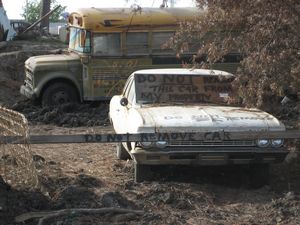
pixel 16 160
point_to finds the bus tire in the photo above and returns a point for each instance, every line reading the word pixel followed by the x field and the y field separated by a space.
pixel 59 93
pixel 122 153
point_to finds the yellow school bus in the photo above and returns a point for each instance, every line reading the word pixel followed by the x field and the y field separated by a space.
pixel 105 47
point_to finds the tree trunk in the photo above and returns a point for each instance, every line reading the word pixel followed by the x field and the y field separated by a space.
pixel 45 8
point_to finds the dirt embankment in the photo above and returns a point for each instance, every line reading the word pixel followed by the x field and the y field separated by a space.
pixel 13 54
pixel 90 176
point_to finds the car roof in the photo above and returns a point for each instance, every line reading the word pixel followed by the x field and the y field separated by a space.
pixel 175 71
pixel 19 21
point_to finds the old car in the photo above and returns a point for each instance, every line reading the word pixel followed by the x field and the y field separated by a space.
pixel 190 101
pixel 19 25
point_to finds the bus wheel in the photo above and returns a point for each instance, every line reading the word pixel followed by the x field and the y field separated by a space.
pixel 122 153
pixel 59 93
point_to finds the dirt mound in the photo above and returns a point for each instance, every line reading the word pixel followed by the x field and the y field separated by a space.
pixel 9 90
pixel 13 54
pixel 67 115
pixel 116 199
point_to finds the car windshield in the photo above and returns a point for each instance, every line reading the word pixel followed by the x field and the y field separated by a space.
pixel 179 89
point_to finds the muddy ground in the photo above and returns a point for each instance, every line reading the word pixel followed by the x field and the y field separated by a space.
pixel 90 176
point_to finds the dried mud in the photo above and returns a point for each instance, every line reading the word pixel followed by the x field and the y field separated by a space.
pixel 90 176
pixel 66 115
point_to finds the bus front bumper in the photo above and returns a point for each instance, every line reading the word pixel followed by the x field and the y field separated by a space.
pixel 26 91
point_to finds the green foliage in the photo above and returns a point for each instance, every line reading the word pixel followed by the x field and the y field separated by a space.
pixel 31 11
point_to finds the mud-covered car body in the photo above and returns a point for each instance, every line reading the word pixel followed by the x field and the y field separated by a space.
pixel 191 101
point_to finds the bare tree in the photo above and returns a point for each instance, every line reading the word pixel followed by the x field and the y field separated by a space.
pixel 266 32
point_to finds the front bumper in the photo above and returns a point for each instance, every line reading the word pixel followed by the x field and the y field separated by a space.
pixel 209 156
pixel 26 91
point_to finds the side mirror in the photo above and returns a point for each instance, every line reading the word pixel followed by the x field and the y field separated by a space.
pixel 124 101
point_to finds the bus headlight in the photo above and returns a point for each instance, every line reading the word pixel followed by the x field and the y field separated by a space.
pixel 263 142
pixel 277 142
pixel 161 144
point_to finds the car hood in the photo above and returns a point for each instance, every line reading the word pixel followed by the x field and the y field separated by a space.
pixel 207 118
pixel 52 62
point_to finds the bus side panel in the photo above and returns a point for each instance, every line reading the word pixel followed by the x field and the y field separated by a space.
pixel 107 76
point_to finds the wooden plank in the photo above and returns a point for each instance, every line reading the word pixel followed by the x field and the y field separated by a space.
pixel 114 138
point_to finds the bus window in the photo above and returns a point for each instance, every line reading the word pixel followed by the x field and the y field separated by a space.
pixel 158 41
pixel 107 44
pixel 137 43
pixel 76 42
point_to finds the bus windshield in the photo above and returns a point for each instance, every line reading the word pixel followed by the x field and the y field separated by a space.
pixel 80 40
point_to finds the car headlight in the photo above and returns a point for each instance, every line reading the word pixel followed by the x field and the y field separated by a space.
pixel 161 144
pixel 147 144
pixel 277 142
pixel 263 142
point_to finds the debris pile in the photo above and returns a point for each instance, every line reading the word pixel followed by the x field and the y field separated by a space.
pixel 66 115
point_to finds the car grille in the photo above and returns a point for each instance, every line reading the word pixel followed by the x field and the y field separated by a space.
pixel 29 78
pixel 221 143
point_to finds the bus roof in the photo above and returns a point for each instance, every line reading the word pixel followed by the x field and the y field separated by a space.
pixel 124 19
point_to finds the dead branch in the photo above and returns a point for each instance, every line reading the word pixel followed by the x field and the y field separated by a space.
pixel 52 214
